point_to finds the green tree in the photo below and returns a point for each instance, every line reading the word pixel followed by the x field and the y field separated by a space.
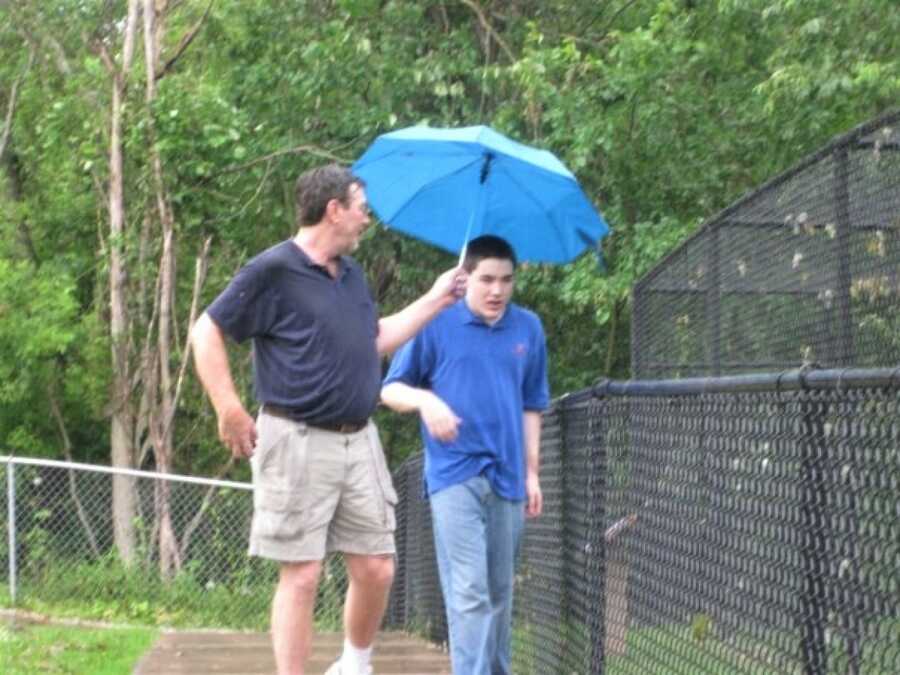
pixel 667 110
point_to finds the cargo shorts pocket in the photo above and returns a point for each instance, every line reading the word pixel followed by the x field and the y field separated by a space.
pixel 383 478
pixel 280 477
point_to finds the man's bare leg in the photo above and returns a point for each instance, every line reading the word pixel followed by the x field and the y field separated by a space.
pixel 292 615
pixel 367 597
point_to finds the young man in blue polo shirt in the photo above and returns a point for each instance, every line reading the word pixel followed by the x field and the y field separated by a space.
pixel 477 376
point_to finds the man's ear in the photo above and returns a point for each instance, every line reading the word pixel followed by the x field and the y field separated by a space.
pixel 331 208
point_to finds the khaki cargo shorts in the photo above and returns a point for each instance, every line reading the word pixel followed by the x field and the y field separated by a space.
pixel 318 491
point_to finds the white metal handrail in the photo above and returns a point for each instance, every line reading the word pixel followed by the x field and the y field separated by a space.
pixel 12 461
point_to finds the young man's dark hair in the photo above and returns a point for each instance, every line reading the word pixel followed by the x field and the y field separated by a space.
pixel 315 188
pixel 487 246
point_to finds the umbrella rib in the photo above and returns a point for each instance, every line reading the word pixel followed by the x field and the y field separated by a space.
pixel 547 211
pixel 400 151
pixel 415 194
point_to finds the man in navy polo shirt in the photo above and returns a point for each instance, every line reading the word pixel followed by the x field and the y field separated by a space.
pixel 320 479
pixel 477 376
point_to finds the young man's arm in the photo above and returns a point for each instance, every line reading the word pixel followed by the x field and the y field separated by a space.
pixel 237 429
pixel 532 422
pixel 439 419
pixel 397 328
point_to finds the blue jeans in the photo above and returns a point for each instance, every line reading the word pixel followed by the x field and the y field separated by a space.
pixel 476 538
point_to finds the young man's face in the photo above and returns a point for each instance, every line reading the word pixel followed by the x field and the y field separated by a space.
pixel 490 288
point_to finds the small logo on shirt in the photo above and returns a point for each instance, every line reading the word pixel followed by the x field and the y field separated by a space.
pixel 520 349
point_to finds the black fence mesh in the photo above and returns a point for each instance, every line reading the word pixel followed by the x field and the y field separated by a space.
pixel 731 525
pixel 805 269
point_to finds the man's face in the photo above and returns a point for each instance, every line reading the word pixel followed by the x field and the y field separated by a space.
pixel 351 221
pixel 490 288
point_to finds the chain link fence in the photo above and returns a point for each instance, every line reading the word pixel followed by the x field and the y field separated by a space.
pixel 186 547
pixel 805 269
pixel 743 524
pixel 746 524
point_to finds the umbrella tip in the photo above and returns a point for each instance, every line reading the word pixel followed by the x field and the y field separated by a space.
pixel 601 263
pixel 486 166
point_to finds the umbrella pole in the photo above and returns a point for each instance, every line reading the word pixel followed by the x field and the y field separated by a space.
pixel 465 246
pixel 475 212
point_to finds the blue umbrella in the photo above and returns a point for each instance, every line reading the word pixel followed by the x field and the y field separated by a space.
pixel 447 186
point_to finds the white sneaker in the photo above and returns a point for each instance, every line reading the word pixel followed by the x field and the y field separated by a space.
pixel 335 669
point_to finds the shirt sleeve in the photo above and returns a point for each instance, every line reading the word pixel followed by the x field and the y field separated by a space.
pixel 535 387
pixel 411 364
pixel 248 305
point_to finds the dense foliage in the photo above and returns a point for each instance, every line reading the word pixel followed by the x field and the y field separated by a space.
pixel 667 110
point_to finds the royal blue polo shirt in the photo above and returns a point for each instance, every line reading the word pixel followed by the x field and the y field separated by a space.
pixel 489 376
pixel 313 335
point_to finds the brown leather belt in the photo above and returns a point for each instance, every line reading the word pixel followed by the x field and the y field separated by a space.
pixel 337 427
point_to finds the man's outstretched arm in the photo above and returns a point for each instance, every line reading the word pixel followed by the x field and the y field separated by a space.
pixel 397 328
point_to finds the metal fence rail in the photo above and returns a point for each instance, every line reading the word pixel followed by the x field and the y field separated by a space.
pixel 722 525
pixel 59 555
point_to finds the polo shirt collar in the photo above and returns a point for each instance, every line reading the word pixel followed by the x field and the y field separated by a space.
pixel 467 316
pixel 343 265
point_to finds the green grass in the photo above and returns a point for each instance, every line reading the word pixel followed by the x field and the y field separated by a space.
pixel 146 601
pixel 105 590
pixel 29 649
pixel 109 593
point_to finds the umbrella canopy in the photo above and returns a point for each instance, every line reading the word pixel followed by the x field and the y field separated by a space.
pixel 447 186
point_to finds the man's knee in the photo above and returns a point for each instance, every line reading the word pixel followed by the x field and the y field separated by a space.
pixel 383 574
pixel 375 571
pixel 300 578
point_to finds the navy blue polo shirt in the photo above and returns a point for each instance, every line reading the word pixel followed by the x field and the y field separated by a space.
pixel 489 376
pixel 313 335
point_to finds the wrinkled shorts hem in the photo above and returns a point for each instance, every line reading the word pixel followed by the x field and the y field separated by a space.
pixel 285 553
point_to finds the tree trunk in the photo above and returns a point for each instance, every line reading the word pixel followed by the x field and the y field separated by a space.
pixel 122 424
pixel 161 396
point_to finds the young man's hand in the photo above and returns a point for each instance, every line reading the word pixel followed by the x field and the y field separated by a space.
pixel 439 419
pixel 535 497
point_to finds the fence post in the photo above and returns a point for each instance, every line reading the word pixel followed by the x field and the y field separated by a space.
pixel 409 583
pixel 11 510
pixel 566 554
pixel 598 486
pixel 395 617
pixel 854 624
pixel 813 491
pixel 842 246
pixel 712 300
